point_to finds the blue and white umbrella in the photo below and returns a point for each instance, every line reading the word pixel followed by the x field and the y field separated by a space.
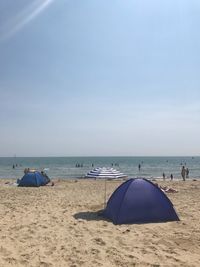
pixel 103 172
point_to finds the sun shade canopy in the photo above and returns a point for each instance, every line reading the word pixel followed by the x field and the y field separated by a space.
pixel 139 201
pixel 33 179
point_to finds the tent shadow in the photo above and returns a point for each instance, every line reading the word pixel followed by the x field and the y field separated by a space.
pixel 98 216
pixel 90 216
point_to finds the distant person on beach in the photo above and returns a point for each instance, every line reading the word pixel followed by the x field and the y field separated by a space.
pixel 26 170
pixel 171 176
pixel 187 173
pixel 13 166
pixel 183 172
pixel 139 167
pixel 48 180
pixel 166 189
pixel 163 176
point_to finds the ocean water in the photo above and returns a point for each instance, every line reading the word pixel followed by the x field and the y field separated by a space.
pixel 66 167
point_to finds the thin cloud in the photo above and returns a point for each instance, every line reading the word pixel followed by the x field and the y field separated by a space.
pixel 30 12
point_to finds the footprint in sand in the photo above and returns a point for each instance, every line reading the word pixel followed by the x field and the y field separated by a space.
pixel 99 241
pixel 11 260
pixel 95 251
pixel 45 264
pixel 4 251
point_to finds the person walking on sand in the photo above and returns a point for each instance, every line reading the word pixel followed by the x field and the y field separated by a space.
pixel 171 176
pixel 183 172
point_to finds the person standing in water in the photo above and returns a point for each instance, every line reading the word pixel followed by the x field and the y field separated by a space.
pixel 187 173
pixel 183 172
pixel 139 167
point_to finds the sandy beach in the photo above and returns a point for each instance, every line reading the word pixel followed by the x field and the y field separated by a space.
pixel 59 226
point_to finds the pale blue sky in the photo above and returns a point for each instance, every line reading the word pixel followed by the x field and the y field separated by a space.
pixel 96 77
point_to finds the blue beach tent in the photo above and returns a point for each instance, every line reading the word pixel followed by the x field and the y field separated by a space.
pixel 139 201
pixel 34 179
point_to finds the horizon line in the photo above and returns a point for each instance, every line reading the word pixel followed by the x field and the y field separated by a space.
pixel 100 156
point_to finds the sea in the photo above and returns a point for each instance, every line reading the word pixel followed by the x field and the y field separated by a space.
pixel 78 167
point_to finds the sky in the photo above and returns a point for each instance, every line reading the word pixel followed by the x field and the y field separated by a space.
pixel 99 78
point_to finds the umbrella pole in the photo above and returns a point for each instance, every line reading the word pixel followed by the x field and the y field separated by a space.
pixel 105 195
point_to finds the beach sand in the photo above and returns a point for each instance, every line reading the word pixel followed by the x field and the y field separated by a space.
pixel 59 226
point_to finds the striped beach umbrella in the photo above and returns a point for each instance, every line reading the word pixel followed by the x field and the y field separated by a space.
pixel 103 172
pixel 106 173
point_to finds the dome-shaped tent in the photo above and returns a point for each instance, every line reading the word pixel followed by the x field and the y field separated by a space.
pixel 34 179
pixel 139 201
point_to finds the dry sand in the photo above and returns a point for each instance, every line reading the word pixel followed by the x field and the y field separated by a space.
pixel 59 226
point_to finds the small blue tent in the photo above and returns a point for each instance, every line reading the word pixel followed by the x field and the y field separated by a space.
pixel 33 179
pixel 139 201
